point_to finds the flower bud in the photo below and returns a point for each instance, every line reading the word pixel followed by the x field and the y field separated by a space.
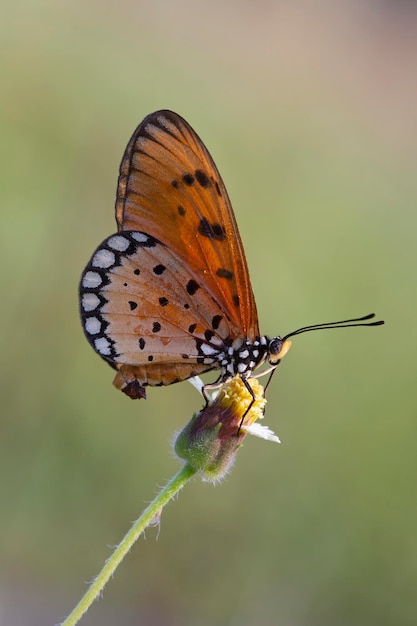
pixel 210 440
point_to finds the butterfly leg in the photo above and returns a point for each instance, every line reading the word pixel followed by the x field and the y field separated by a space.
pixel 216 385
pixel 250 390
pixel 271 372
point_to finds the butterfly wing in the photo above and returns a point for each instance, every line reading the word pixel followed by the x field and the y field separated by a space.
pixel 170 188
pixel 143 311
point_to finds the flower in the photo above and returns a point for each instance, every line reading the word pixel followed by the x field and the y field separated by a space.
pixel 211 439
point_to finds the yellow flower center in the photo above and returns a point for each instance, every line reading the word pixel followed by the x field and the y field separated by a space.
pixel 235 397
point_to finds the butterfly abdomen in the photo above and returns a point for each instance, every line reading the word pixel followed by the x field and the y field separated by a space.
pixel 132 380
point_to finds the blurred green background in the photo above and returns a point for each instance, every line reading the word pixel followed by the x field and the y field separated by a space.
pixel 309 110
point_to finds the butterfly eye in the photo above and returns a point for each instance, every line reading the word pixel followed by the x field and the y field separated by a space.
pixel 277 349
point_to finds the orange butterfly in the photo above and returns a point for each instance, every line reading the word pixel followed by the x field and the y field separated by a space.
pixel 169 296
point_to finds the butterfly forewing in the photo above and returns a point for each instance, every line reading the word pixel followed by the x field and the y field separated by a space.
pixel 170 188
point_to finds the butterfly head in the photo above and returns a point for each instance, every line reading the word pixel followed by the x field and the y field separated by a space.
pixel 277 349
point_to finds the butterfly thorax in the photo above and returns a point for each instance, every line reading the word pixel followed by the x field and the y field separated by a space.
pixel 249 355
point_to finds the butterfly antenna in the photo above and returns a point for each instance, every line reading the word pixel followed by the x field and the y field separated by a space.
pixel 356 321
pixel 351 323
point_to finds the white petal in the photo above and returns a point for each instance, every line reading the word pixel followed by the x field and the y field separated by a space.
pixel 197 383
pixel 261 431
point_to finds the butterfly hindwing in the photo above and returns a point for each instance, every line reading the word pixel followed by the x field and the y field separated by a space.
pixel 143 309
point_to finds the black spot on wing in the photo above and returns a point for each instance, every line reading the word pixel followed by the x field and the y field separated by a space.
pixel 236 300
pixel 188 179
pixel 136 271
pixel 181 210
pixel 156 327
pixel 159 269
pixel 133 305
pixel 192 287
pixel 192 328
pixel 163 301
pixel 222 272
pixel 215 322
pixel 202 179
pixel 212 231
pixel 142 343
pixel 209 334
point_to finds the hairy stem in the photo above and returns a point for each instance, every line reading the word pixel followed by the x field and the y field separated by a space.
pixel 150 513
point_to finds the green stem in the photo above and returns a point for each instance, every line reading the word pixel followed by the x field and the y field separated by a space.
pixel 164 496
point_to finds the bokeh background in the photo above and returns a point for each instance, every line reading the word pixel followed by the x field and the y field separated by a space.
pixel 309 109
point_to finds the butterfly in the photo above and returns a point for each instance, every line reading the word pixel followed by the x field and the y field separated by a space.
pixel 169 296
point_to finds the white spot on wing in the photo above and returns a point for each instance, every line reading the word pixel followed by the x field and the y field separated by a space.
pixel 90 301
pixel 103 259
pixel 118 243
pixel 92 325
pixel 208 350
pixel 140 237
pixel 241 367
pixel 103 346
pixel 91 280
